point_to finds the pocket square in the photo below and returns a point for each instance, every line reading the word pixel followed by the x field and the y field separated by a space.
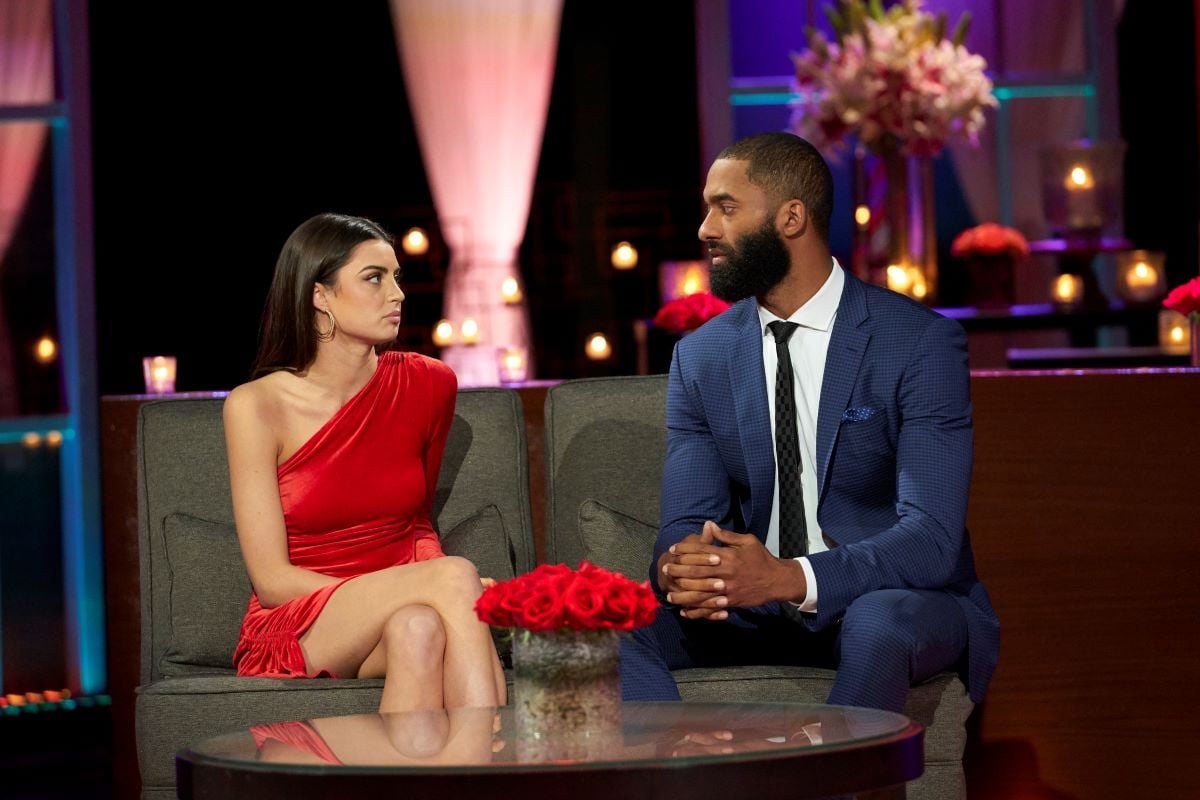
pixel 859 414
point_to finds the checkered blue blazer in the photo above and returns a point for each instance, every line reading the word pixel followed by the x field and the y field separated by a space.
pixel 894 451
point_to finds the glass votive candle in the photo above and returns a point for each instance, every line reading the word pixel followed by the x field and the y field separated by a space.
pixel 1082 186
pixel 1174 331
pixel 469 331
pixel 681 278
pixel 510 291
pixel 512 364
pixel 443 333
pixel 597 347
pixel 1141 277
pixel 1067 290
pixel 159 374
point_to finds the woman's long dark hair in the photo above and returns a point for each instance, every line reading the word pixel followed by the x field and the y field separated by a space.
pixel 312 254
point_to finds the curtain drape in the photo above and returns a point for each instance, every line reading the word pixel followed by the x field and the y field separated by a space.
pixel 478 77
pixel 26 78
pixel 1032 41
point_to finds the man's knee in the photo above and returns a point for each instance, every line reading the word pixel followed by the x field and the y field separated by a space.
pixel 927 629
pixel 880 624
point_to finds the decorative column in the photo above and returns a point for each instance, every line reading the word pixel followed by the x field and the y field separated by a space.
pixel 478 76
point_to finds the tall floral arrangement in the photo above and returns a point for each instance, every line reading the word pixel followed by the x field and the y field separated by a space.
pixel 892 77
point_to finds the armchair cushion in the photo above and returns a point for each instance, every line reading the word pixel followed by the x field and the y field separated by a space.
pixel 483 540
pixel 209 589
pixel 615 540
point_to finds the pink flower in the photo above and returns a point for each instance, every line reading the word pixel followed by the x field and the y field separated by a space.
pixel 891 78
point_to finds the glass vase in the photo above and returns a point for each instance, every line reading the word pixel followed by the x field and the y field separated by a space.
pixel 1194 318
pixel 912 225
pixel 907 260
pixel 566 694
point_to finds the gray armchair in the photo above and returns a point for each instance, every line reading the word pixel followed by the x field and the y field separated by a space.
pixel 605 446
pixel 195 588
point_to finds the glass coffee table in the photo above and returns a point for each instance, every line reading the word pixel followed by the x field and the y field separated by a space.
pixel 694 750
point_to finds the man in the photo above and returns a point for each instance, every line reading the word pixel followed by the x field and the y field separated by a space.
pixel 854 552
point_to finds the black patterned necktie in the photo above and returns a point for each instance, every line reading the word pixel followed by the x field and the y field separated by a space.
pixel 793 527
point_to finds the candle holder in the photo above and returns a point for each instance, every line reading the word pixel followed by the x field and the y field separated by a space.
pixel 468 332
pixel 907 280
pixel 1141 276
pixel 512 365
pixel 1081 187
pixel 159 374
pixel 597 347
pixel 682 278
pixel 624 256
pixel 1067 291
pixel 1174 332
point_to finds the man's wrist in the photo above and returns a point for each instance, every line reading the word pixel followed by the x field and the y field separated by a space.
pixel 791 586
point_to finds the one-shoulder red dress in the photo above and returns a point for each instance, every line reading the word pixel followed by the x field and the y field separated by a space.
pixel 356 499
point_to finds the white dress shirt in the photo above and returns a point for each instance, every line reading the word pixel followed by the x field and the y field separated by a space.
pixel 807 348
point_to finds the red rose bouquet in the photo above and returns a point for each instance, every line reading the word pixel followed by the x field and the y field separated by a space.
pixel 990 239
pixel 689 312
pixel 1185 299
pixel 554 596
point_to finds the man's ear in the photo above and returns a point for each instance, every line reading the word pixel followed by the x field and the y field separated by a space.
pixel 792 218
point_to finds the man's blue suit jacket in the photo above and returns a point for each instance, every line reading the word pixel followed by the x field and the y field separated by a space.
pixel 894 453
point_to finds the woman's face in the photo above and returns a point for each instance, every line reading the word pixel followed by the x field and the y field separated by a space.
pixel 365 297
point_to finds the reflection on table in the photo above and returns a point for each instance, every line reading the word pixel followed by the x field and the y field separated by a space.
pixel 489 736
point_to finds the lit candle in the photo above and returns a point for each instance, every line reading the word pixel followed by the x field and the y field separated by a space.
pixel 693 281
pixel 1082 211
pixel 907 280
pixel 415 242
pixel 598 347
pixel 1174 331
pixel 511 364
pixel 1141 281
pixel 899 279
pixel 45 350
pixel 510 291
pixel 681 278
pixel 443 333
pixel 159 374
pixel 1067 289
pixel 470 331
pixel 624 255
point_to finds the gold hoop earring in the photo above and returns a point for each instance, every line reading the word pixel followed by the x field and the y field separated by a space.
pixel 327 336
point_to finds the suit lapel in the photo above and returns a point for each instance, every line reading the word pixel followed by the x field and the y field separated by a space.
pixel 847 344
pixel 748 381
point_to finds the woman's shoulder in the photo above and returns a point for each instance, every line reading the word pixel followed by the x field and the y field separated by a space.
pixel 260 398
pixel 438 373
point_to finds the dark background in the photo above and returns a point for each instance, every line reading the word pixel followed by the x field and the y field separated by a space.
pixel 220 127
pixel 216 137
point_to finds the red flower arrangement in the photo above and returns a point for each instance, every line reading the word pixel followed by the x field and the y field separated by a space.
pixel 554 596
pixel 1185 299
pixel 689 312
pixel 990 239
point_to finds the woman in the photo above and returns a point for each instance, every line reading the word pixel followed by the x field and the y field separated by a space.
pixel 334 454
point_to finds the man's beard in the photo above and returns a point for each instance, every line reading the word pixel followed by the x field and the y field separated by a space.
pixel 755 264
